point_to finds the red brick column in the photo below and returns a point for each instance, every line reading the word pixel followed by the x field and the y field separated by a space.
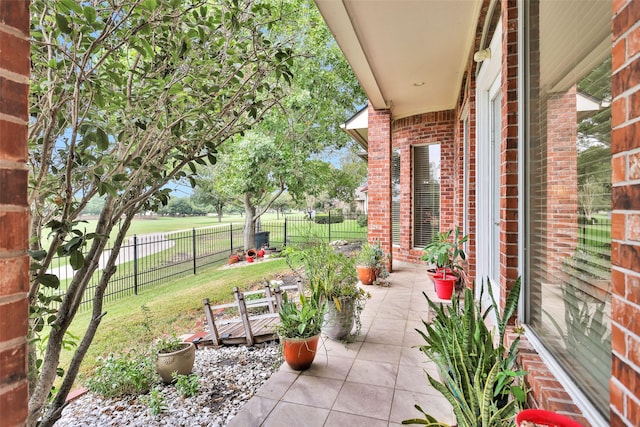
pixel 14 214
pixel 562 179
pixel 625 227
pixel 379 179
pixel 509 149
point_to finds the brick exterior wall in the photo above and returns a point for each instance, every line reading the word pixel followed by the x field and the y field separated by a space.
pixel 423 129
pixel 14 214
pixel 379 178
pixel 625 246
pixel 509 149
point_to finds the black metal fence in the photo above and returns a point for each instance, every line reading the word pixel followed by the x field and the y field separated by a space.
pixel 153 259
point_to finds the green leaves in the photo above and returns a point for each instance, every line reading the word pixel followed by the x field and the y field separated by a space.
pixel 63 24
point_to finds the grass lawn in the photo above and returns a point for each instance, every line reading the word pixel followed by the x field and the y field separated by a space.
pixel 175 307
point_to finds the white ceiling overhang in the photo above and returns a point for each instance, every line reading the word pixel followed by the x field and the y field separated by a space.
pixel 409 55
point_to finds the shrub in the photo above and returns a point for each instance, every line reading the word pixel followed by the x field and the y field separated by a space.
pixel 363 220
pixel 335 217
pixel 119 375
pixel 187 385
pixel 155 401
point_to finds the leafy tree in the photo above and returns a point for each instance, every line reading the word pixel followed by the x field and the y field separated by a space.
pixel 282 204
pixel 179 206
pixel 126 96
pixel 282 153
pixel 207 193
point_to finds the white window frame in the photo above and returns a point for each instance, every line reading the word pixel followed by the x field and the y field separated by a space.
pixel 488 77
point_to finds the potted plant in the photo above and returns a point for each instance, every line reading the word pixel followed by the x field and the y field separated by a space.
pixel 371 263
pixel 446 252
pixel 332 276
pixel 479 378
pixel 174 356
pixel 299 330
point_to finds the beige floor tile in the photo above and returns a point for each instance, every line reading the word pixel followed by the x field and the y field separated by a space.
pixel 414 378
pixel 412 338
pixel 252 414
pixel 384 336
pixel 365 400
pixel 413 357
pixel 375 373
pixel 330 348
pixel 287 414
pixel 313 391
pixel 337 368
pixel 379 352
pixel 436 406
pixel 390 324
pixel 342 419
pixel 277 385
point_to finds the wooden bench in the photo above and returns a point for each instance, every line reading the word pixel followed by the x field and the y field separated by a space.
pixel 249 328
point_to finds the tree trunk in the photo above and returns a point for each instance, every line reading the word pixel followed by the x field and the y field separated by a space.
pixel 249 232
pixel 54 411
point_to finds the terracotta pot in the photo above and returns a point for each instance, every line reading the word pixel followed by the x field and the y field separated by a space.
pixel 233 259
pixel 299 352
pixel 366 275
pixel 180 361
pixel 444 286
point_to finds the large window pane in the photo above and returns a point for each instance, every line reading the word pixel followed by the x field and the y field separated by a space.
pixel 569 188
pixel 426 193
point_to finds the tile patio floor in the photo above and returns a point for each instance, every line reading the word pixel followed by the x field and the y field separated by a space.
pixel 375 381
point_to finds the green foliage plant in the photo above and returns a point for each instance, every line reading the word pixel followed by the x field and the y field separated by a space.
pixel 372 255
pixel 187 385
pixel 446 251
pixel 123 374
pixel 330 275
pixel 478 378
pixel 363 220
pixel 156 402
pixel 169 345
pixel 302 319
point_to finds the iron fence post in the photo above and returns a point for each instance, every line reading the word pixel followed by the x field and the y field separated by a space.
pixel 284 241
pixel 195 259
pixel 329 225
pixel 231 237
pixel 135 264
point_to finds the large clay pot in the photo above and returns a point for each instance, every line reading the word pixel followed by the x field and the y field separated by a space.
pixel 444 285
pixel 338 323
pixel 366 275
pixel 180 361
pixel 299 352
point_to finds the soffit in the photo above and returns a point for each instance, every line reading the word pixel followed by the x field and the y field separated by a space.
pixel 392 45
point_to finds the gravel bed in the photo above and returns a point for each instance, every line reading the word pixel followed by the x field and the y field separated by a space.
pixel 228 378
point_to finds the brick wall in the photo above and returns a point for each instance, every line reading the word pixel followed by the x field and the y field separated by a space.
pixel 423 129
pixel 509 149
pixel 625 247
pixel 14 215
pixel 379 178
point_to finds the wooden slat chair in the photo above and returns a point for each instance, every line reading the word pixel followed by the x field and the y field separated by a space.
pixel 248 328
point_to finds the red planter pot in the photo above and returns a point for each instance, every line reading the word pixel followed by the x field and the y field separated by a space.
pixel 300 352
pixel 444 286
pixel 545 418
